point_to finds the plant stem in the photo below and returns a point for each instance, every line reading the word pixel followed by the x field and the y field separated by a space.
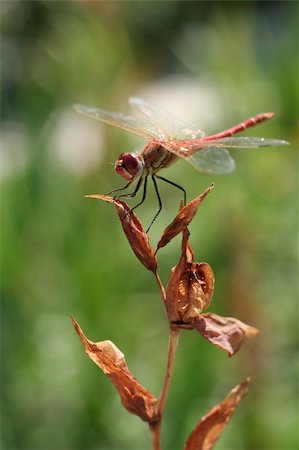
pixel 155 429
pixel 173 343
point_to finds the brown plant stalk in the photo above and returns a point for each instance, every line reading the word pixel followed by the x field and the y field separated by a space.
pixel 188 293
pixel 155 428
pixel 174 335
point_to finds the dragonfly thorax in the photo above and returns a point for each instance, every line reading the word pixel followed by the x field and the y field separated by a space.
pixel 129 165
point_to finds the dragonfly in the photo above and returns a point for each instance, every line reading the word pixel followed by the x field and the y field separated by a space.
pixel 168 140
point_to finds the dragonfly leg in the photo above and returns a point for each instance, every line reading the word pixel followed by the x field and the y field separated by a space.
pixel 176 185
pixel 143 197
pixel 119 189
pixel 132 194
pixel 159 200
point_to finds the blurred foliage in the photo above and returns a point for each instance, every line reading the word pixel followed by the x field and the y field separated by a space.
pixel 62 255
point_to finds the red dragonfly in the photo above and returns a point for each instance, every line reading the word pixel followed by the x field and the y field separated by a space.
pixel 169 139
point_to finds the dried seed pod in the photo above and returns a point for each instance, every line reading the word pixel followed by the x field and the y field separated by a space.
pixel 189 292
pixel 195 291
pixel 190 287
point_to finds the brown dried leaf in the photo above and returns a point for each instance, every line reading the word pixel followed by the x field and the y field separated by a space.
pixel 134 397
pixel 209 429
pixel 190 287
pixel 132 227
pixel 227 333
pixel 183 219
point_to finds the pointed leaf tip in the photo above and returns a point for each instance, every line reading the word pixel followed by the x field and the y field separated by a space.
pixel 105 198
pixel 183 219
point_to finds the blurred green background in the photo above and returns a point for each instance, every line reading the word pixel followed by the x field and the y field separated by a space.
pixel 212 64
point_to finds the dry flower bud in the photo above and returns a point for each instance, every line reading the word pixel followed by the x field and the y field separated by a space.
pixel 227 333
pixel 134 397
pixel 132 227
pixel 183 219
pixel 209 429
pixel 190 287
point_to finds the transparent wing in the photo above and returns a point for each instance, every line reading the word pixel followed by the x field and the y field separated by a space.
pixel 186 149
pixel 202 157
pixel 211 156
pixel 169 126
pixel 246 142
pixel 141 127
pixel 212 160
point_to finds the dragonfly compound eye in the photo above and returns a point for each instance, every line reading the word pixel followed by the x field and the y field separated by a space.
pixel 129 165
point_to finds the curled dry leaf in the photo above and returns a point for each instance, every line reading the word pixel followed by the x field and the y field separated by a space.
pixel 209 429
pixel 190 287
pixel 132 227
pixel 227 333
pixel 134 397
pixel 183 219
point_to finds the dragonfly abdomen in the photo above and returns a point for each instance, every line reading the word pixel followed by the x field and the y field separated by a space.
pixel 248 123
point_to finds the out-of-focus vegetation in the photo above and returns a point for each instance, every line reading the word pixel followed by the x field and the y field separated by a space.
pixel 212 64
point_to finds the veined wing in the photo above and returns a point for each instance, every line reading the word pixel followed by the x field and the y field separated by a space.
pixel 246 142
pixel 141 127
pixel 206 159
pixel 218 160
pixel 188 148
pixel 212 160
pixel 211 156
pixel 169 126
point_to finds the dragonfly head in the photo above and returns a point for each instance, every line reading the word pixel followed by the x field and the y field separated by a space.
pixel 129 165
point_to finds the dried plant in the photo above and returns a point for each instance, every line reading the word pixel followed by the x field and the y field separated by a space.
pixel 188 293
